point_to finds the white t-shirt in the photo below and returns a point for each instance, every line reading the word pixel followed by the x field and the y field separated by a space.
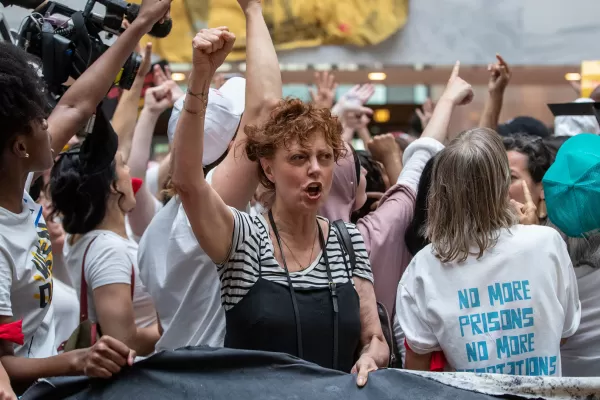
pixel 109 260
pixel 504 313
pixel 581 354
pixel 26 277
pixel 66 311
pixel 182 280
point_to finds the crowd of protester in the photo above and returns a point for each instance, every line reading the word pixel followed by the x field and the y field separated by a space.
pixel 264 229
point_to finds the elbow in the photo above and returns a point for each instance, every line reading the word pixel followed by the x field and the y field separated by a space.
pixel 262 109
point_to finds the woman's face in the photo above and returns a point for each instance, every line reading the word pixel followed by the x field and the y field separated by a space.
pixel 302 176
pixel 519 172
pixel 38 146
pixel 361 190
pixel 123 184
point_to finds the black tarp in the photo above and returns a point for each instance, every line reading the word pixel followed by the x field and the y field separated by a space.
pixel 206 373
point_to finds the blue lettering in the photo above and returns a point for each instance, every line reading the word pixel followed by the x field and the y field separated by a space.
pixel 475 321
pixel 482 350
pixel 495 294
pixel 500 368
pixel 502 347
pixel 526 295
pixel 523 344
pixel 463 300
pixel 474 294
pixel 505 319
pixel 515 316
pixel 543 367
pixel 527 317
pixel 530 337
pixel 493 320
pixel 463 321
pixel 507 292
pixel 520 365
pixel 480 370
pixel 514 345
pixel 552 365
pixel 511 368
pixel 531 366
pixel 517 289
pixel 471 352
pixel 491 370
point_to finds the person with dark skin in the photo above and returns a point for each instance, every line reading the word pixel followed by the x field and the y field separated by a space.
pixel 30 136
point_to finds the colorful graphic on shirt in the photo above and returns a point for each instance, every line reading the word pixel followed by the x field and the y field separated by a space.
pixel 510 353
pixel 42 259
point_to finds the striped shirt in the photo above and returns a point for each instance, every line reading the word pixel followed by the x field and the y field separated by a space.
pixel 252 244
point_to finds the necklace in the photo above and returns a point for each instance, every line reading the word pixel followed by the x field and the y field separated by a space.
pixel 311 251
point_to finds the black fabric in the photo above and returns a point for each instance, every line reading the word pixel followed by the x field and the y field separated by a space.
pixel 100 146
pixel 274 317
pixel 227 374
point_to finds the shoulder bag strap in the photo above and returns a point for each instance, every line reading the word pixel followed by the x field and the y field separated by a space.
pixel 340 227
pixel 83 299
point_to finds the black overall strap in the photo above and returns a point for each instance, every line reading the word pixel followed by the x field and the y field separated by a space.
pixel 292 292
pixel 334 299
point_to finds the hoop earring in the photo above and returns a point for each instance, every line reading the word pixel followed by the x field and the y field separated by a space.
pixel 26 155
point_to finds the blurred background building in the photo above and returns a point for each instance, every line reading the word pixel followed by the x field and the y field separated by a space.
pixel 406 48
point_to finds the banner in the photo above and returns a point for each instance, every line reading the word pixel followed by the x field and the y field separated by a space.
pixel 228 374
pixel 292 24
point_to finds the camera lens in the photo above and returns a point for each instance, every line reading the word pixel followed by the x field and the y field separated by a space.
pixel 129 71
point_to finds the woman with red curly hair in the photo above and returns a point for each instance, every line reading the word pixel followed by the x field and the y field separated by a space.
pixel 285 286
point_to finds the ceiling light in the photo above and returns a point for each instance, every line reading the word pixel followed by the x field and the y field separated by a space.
pixel 573 76
pixel 178 76
pixel 377 76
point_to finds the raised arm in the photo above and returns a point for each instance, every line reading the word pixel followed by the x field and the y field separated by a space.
pixel 157 100
pixel 79 103
pixel 209 216
pixel 236 178
pixel 123 121
pixel 499 77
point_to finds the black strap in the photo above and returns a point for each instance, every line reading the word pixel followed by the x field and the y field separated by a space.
pixel 292 291
pixel 334 299
pixel 340 227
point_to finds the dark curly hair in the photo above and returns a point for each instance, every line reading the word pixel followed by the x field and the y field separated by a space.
pixel 292 120
pixel 538 155
pixel 80 199
pixel 375 183
pixel 22 97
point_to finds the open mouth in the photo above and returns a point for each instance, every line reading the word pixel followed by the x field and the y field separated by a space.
pixel 314 189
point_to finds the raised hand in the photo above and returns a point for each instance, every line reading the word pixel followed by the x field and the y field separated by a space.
pixel 163 77
pixel 146 61
pixel 245 4
pixel 211 47
pixel 425 112
pixel 499 76
pixel 383 146
pixel 153 11
pixel 458 91
pixel 527 212
pixel 324 95
pixel 159 98
pixel 105 358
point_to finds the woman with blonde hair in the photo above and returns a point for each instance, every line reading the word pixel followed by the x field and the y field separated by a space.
pixel 494 296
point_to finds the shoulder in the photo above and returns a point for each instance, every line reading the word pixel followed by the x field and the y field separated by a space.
pixel 535 234
pixel 107 247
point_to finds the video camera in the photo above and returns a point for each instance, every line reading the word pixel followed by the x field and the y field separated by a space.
pixel 68 41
